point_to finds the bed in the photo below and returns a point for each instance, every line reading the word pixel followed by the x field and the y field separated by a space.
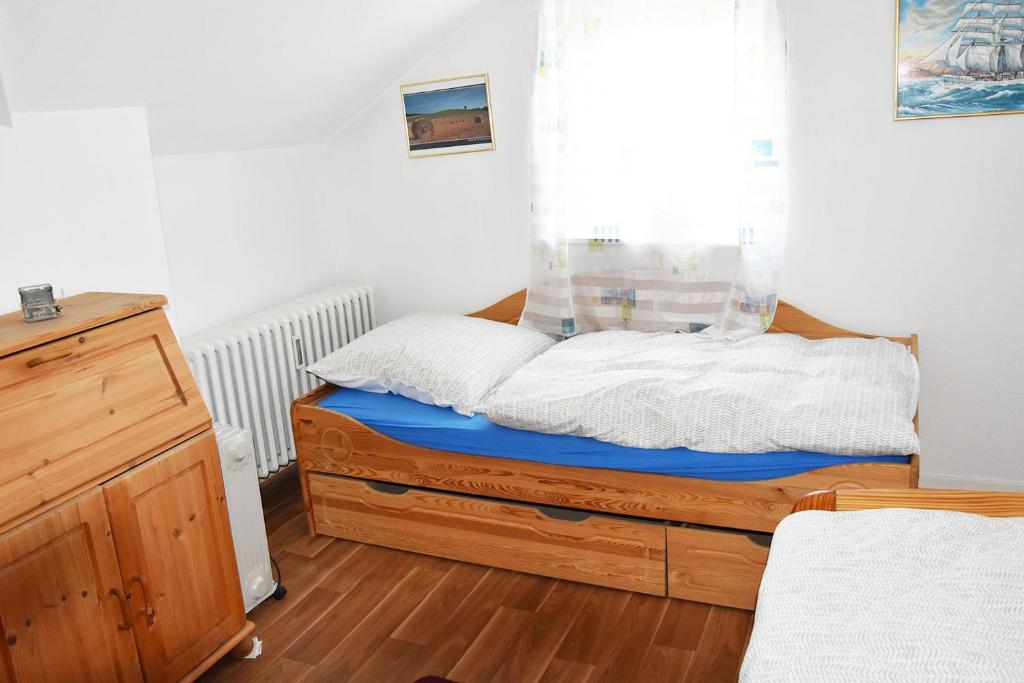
pixel 698 530
pixel 901 585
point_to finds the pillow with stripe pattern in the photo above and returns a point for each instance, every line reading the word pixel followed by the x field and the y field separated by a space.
pixel 435 358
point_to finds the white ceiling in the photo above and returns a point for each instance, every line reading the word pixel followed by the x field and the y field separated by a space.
pixel 218 75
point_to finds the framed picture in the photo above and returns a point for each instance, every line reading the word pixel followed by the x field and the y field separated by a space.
pixel 449 116
pixel 959 58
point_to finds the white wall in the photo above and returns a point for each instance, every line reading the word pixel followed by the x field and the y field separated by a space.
pixel 5 109
pixel 79 208
pixel 444 233
pixel 78 204
pixel 911 226
pixel 896 227
pixel 244 230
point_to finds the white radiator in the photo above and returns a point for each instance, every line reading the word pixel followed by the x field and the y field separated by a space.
pixel 250 370
pixel 245 510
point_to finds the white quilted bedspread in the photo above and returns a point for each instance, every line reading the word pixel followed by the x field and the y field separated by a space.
pixel 890 596
pixel 773 392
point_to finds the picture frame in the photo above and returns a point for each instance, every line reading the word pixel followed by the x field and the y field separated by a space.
pixel 958 58
pixel 448 116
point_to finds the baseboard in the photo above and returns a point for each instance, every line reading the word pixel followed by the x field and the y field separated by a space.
pixel 949 481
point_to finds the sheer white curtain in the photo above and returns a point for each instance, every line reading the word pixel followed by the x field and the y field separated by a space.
pixel 658 176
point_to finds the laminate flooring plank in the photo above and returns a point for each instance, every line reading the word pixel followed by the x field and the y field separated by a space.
pixel 597 622
pixel 345 659
pixel 300 576
pixel 720 651
pixel 482 661
pixel 389 569
pixel 447 596
pixel 638 625
pixel 527 658
pixel 683 625
pixel 562 671
pixel 389 661
pixel 451 637
pixel 664 665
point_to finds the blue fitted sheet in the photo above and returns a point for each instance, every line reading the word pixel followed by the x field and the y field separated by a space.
pixel 443 429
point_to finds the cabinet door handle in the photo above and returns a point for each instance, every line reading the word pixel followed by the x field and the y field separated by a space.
pixel 148 610
pixel 126 610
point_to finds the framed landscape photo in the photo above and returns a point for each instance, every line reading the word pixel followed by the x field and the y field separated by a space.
pixel 959 58
pixel 449 116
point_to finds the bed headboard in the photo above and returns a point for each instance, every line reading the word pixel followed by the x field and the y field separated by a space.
pixel 507 310
pixel 788 318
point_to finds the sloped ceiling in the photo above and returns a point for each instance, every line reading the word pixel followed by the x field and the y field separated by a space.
pixel 218 75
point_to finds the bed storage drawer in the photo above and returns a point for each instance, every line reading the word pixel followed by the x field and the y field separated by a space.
pixel 716 566
pixel 590 548
pixel 81 409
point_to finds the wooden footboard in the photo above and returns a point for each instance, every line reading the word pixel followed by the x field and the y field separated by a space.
pixel 988 503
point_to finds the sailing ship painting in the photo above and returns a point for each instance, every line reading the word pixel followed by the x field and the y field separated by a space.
pixel 959 58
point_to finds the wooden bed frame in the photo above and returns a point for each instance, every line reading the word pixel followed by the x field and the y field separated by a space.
pixel 330 444
pixel 987 503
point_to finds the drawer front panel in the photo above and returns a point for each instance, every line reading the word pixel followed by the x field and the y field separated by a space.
pixel 716 567
pixel 594 549
pixel 81 409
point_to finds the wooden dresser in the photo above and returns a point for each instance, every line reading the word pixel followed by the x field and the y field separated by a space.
pixel 116 560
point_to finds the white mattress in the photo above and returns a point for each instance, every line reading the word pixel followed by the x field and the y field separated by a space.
pixel 890 595
pixel 772 392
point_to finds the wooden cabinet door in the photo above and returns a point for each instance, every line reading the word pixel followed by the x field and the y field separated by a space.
pixel 174 547
pixel 62 609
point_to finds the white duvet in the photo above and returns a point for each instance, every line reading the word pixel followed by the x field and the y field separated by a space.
pixel 887 596
pixel 773 392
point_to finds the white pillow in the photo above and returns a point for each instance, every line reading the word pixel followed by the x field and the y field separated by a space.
pixel 436 358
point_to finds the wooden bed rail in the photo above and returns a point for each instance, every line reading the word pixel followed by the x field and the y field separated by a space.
pixel 987 503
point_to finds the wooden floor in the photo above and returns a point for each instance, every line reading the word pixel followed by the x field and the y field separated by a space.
pixel 357 612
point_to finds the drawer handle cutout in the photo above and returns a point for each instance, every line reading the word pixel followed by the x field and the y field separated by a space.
pixel 563 515
pixel 36 362
pixel 761 540
pixel 389 489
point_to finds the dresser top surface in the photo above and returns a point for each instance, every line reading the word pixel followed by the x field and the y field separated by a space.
pixel 78 313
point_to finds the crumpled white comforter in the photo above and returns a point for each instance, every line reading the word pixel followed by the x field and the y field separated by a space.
pixel 772 392
pixel 887 596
